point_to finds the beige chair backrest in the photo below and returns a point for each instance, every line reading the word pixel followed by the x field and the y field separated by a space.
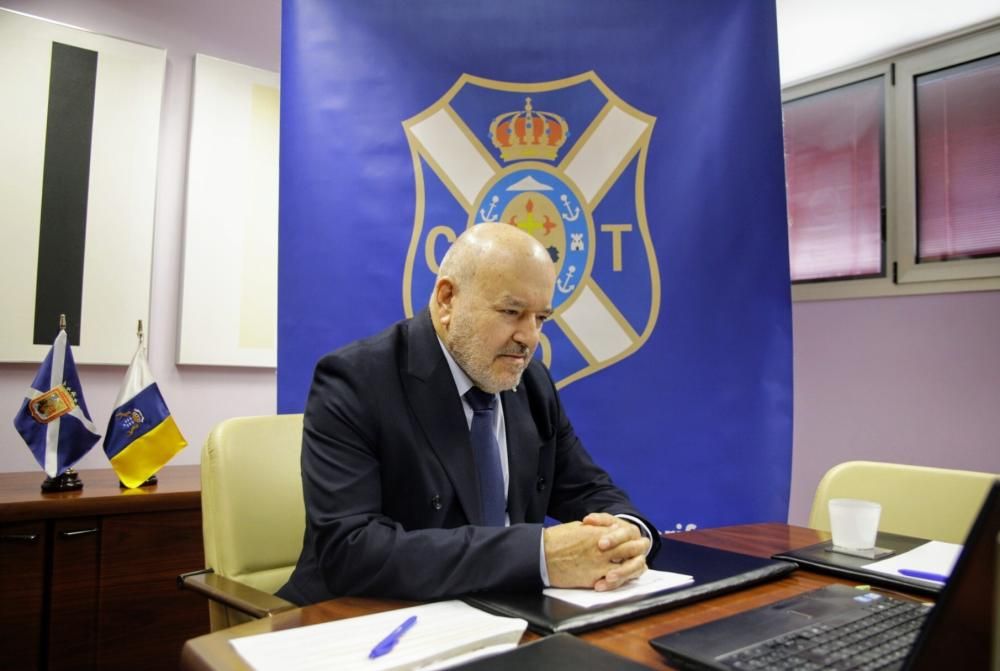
pixel 934 503
pixel 253 516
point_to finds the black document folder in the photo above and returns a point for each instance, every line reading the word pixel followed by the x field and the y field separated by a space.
pixel 714 571
pixel 818 557
pixel 561 652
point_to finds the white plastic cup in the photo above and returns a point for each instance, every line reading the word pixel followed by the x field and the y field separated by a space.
pixel 854 523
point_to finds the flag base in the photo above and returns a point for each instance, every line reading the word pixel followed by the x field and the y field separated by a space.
pixel 150 481
pixel 67 482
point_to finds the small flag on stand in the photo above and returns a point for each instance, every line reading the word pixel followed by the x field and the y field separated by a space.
pixel 141 436
pixel 53 419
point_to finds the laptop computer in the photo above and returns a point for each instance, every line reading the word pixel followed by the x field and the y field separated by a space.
pixel 996 609
pixel 882 631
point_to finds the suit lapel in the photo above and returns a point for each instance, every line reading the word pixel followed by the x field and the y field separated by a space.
pixel 523 444
pixel 431 391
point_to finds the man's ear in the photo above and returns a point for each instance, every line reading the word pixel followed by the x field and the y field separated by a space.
pixel 444 296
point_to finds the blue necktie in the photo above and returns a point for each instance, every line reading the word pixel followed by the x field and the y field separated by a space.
pixel 486 454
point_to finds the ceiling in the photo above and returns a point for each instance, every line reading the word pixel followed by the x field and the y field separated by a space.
pixel 819 36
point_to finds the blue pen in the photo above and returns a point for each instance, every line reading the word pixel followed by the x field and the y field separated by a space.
pixel 390 641
pixel 923 575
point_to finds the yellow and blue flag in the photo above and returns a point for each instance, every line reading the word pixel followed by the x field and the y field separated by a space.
pixel 142 436
pixel 53 419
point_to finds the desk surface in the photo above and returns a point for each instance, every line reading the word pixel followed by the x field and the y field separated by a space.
pixel 628 639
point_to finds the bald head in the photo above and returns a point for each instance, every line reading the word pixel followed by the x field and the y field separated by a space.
pixel 493 291
pixel 487 248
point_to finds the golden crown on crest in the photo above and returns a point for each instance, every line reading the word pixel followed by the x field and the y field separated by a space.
pixel 528 133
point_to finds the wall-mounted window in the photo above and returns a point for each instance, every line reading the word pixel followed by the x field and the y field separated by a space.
pixel 893 174
pixel 957 113
pixel 833 163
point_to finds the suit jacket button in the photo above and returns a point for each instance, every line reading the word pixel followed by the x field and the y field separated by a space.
pixel 540 485
pixel 436 502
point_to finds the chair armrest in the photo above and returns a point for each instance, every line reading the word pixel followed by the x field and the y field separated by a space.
pixel 233 594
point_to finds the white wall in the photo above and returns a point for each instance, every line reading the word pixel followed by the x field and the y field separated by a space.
pixel 246 31
pixel 819 36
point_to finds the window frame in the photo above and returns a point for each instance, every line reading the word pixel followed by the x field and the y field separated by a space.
pixel 903 275
pixel 833 83
pixel 931 60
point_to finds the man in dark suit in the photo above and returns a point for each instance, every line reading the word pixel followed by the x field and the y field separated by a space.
pixel 400 499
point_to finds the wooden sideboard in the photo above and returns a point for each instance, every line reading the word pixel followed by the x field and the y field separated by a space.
pixel 88 578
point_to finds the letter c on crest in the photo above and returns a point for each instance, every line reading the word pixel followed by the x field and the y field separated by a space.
pixel 430 243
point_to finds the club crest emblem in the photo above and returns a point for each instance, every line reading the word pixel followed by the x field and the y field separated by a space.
pixel 52 405
pixel 564 161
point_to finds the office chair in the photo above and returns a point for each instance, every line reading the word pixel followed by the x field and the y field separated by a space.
pixel 933 503
pixel 253 516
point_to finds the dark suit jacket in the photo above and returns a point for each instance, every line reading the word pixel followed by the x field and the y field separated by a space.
pixel 391 495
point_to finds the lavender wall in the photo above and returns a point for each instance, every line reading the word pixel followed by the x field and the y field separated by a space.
pixel 914 379
pixel 911 379
pixel 248 32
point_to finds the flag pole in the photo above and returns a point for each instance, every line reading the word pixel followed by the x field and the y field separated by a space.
pixel 151 480
pixel 69 480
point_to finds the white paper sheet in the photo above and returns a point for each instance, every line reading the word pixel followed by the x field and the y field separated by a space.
pixel 443 631
pixel 931 557
pixel 647 583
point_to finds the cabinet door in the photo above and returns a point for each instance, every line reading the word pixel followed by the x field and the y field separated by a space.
pixel 73 595
pixel 22 589
pixel 144 617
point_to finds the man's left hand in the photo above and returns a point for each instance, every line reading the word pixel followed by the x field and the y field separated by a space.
pixel 629 544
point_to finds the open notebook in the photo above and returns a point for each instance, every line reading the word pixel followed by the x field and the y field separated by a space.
pixel 445 632
pixel 819 557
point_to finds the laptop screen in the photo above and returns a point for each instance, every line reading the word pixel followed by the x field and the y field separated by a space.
pixel 959 629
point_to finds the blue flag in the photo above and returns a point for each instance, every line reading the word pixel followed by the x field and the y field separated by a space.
pixel 53 419
pixel 640 142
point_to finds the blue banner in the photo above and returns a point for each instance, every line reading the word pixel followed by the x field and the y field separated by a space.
pixel 639 141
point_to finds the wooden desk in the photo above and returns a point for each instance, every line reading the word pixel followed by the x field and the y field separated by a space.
pixel 629 639
pixel 88 578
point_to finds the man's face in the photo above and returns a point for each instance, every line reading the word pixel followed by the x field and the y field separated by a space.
pixel 495 320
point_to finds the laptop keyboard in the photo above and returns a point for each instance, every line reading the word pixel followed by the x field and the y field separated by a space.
pixel 879 640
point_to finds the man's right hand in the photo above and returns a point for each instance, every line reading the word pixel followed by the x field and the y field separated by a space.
pixel 573 558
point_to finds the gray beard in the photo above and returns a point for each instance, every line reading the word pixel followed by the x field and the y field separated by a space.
pixel 476 367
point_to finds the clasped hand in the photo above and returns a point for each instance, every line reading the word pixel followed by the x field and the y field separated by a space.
pixel 602 552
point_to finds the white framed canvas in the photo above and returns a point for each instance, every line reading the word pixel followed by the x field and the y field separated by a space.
pixel 229 301
pixel 79 131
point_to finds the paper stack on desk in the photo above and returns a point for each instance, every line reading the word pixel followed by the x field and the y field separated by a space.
pixel 649 582
pixel 443 631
